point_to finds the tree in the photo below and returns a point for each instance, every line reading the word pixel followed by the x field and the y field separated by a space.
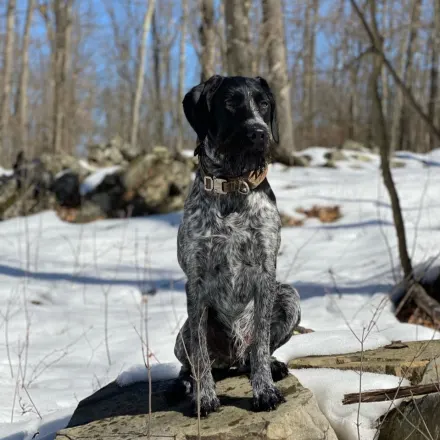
pixel 182 61
pixel 207 39
pixel 22 92
pixel 309 82
pixel 62 34
pixel 140 71
pixel 7 76
pixel 238 41
pixel 276 53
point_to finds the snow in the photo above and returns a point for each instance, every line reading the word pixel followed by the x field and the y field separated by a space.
pixel 329 387
pixel 7 173
pixel 72 315
pixel 94 179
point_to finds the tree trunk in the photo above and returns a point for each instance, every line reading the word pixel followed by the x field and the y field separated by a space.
pixel 23 125
pixel 140 72
pixel 7 78
pixel 181 85
pixel 398 105
pixel 237 37
pixel 157 67
pixel 207 39
pixel 434 76
pixel 63 28
pixel 278 78
pixel 309 70
pixel 379 127
pixel 404 123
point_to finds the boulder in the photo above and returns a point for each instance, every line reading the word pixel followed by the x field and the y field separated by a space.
pixel 335 155
pixel 361 157
pixel 417 418
pixel 115 152
pixel 397 163
pixel 55 163
pixel 161 181
pixel 302 160
pixel 121 413
pixel 350 144
pixel 26 192
pixel 409 360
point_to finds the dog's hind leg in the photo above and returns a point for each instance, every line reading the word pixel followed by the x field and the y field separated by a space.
pixel 286 316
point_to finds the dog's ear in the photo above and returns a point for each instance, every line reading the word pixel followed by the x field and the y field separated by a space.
pixel 273 109
pixel 197 105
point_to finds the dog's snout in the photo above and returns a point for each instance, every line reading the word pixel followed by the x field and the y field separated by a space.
pixel 258 137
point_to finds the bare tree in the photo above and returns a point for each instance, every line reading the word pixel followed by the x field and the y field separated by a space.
pixel 22 91
pixel 7 75
pixel 278 79
pixel 434 75
pixel 157 72
pixel 309 83
pixel 207 39
pixel 182 61
pixel 403 141
pixel 237 37
pixel 141 71
pixel 379 127
pixel 63 25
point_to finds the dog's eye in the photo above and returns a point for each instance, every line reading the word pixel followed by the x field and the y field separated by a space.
pixel 264 105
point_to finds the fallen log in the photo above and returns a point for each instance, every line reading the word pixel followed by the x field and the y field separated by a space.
pixel 391 393
pixel 424 301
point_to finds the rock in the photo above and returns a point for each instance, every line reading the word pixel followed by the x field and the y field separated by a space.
pixel 122 413
pixel 335 155
pixel 408 360
pixel 115 152
pixel 8 195
pixel 354 146
pixel 56 163
pixel 361 157
pixel 418 418
pixel 329 164
pixel 301 160
pixel 66 188
pixel 397 164
pixel 161 181
pixel 27 191
pixel 432 372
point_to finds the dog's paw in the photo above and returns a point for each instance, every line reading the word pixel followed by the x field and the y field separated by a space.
pixel 207 406
pixel 279 370
pixel 268 399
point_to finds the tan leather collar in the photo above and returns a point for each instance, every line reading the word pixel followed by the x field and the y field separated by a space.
pixel 242 184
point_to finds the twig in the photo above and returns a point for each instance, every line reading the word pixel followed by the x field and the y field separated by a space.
pixel 390 394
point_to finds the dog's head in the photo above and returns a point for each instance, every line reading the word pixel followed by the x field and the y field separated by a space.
pixel 237 115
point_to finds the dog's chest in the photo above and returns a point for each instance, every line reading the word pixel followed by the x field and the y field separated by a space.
pixel 228 248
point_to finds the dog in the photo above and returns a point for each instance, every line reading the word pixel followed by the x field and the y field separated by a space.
pixel 228 241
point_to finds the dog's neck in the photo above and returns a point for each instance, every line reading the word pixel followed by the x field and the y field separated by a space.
pixel 218 180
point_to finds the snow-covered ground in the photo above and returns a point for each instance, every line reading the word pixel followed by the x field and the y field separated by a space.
pixel 71 296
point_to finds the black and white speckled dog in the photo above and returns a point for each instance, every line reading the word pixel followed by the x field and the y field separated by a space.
pixel 238 314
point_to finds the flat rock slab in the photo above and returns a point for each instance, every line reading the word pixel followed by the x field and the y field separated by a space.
pixel 122 413
pixel 408 360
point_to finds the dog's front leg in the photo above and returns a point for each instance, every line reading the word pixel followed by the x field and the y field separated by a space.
pixel 266 395
pixel 204 386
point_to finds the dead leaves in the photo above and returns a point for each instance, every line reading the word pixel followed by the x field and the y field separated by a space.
pixel 325 214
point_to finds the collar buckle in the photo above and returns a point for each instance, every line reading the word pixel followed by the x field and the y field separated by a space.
pixel 214 184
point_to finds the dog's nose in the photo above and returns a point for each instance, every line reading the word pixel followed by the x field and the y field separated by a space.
pixel 258 137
